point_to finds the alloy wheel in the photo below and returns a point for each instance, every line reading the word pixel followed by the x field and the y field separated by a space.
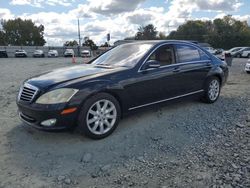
pixel 214 90
pixel 101 117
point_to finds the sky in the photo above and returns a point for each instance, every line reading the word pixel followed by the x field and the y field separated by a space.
pixel 120 18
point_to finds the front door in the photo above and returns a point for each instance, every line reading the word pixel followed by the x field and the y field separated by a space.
pixel 155 84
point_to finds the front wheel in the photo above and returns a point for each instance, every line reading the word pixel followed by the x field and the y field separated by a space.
pixel 99 116
pixel 212 90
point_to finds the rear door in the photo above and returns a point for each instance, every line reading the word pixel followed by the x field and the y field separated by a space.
pixel 193 65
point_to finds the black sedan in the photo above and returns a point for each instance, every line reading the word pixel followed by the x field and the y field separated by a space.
pixel 128 77
pixel 3 54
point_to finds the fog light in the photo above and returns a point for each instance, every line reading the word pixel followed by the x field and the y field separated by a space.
pixel 49 122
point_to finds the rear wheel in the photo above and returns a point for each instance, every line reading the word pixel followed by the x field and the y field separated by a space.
pixel 99 116
pixel 212 90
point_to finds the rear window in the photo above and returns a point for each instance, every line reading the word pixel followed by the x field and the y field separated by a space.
pixel 187 53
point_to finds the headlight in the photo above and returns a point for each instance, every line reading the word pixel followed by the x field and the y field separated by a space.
pixel 57 96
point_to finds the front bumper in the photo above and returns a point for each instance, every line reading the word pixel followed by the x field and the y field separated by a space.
pixel 34 115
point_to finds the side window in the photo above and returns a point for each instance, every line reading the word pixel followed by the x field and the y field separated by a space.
pixel 164 54
pixel 247 49
pixel 203 55
pixel 187 53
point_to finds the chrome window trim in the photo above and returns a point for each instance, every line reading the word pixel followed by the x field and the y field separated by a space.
pixel 140 70
pixel 177 64
pixel 164 100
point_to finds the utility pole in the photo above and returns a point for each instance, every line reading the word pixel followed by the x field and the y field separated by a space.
pixel 79 37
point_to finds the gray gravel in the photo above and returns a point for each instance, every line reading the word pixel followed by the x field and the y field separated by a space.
pixel 186 144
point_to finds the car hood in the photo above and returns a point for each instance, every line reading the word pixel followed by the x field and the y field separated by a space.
pixel 58 76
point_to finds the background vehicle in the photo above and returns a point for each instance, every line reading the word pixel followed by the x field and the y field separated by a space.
pixel 236 52
pixel 20 53
pixel 219 51
pixel 69 53
pixel 128 77
pixel 210 50
pixel 246 53
pixel 52 53
pixel 38 53
pixel 3 53
pixel 85 53
pixel 247 67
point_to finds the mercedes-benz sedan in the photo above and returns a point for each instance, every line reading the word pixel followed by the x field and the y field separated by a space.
pixel 128 77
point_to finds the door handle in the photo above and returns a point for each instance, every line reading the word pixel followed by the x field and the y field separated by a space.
pixel 177 69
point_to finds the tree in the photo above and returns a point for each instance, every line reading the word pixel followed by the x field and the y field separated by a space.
pixel 192 30
pixel 162 36
pixel 146 33
pixel 2 39
pixel 71 43
pixel 229 32
pixel 221 33
pixel 106 44
pixel 90 43
pixel 22 33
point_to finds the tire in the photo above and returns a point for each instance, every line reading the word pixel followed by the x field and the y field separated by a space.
pixel 248 72
pixel 94 119
pixel 212 90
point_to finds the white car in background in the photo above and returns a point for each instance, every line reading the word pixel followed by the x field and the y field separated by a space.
pixel 38 53
pixel 246 54
pixel 53 53
pixel 210 50
pixel 21 53
pixel 69 53
pixel 85 53
pixel 247 67
pixel 237 51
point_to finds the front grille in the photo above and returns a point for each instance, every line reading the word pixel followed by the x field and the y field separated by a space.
pixel 27 92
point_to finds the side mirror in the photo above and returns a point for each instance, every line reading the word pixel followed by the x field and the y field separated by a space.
pixel 151 64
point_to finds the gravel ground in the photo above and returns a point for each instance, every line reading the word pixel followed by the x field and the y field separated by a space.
pixel 185 144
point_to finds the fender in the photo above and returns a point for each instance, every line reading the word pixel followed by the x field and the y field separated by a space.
pixel 90 88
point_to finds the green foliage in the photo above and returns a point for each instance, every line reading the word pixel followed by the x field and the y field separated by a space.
pixel 221 33
pixel 146 33
pixel 22 33
pixel 2 39
pixel 71 43
pixel 162 36
pixel 90 43
pixel 105 45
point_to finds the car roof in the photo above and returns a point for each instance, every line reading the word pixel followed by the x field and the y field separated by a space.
pixel 154 42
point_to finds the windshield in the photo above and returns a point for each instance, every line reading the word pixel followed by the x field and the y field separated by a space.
pixel 126 55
